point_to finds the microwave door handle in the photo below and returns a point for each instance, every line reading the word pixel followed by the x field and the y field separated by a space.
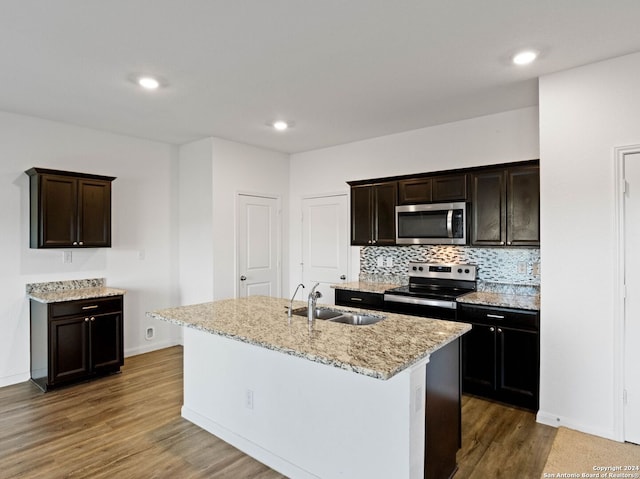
pixel 450 223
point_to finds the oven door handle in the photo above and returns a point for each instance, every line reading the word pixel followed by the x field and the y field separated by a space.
pixel 438 303
pixel 450 223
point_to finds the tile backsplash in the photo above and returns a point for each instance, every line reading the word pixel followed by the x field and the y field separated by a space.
pixel 516 266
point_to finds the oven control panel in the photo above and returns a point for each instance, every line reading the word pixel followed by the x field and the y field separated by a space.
pixel 465 272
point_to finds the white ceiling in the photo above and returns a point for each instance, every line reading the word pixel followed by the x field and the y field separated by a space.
pixel 343 70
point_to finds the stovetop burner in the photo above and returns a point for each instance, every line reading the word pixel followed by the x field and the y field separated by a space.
pixel 434 285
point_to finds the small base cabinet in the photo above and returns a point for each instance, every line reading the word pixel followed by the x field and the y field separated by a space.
pixel 75 340
pixel 501 354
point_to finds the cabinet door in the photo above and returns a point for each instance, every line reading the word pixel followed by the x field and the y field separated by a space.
pixel 361 215
pixel 106 342
pixel 450 188
pixel 385 213
pixel 478 360
pixel 58 213
pixel 488 208
pixel 69 350
pixel 523 206
pixel 518 367
pixel 411 192
pixel 94 213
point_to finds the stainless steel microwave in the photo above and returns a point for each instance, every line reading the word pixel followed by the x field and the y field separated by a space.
pixel 436 223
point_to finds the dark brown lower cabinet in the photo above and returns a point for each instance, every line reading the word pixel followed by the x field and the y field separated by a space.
pixel 501 354
pixel 75 340
pixel 443 433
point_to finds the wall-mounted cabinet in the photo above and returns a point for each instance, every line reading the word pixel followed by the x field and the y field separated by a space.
pixel 432 189
pixel 373 210
pixel 69 210
pixel 505 206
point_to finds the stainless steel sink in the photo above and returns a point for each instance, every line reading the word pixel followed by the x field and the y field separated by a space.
pixel 357 319
pixel 343 317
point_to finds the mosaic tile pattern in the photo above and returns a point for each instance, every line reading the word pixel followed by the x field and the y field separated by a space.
pixel 389 264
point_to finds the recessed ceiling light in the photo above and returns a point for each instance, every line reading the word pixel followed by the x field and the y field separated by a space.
pixel 524 58
pixel 280 125
pixel 148 83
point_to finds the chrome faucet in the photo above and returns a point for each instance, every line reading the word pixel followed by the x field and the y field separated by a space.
pixel 291 302
pixel 311 303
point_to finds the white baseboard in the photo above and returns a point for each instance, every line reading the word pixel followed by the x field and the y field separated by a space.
pixel 14 379
pixel 153 346
pixel 275 462
pixel 556 420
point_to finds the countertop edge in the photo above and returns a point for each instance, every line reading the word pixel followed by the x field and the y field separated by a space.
pixel 75 294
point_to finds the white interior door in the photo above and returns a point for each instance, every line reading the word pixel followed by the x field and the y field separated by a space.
pixel 325 243
pixel 258 246
pixel 632 301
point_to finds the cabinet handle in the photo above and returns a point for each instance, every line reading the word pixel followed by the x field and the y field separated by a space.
pixel 343 277
pixel 93 306
pixel 492 329
pixel 81 243
pixel 509 243
pixel 75 243
pixel 501 243
pixel 86 320
pixel 355 299
pixel 92 318
pixel 374 241
pixel 499 330
pixel 495 316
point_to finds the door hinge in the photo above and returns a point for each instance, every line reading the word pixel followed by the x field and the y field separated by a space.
pixel 625 186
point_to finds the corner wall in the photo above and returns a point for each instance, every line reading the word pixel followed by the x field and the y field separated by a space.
pixel 584 114
pixel 500 138
pixel 144 219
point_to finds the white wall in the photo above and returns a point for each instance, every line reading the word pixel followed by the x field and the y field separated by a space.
pixel 195 206
pixel 144 225
pixel 584 114
pixel 500 138
pixel 212 172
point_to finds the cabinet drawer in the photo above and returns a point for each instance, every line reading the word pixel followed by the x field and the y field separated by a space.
pixel 517 318
pixel 86 306
pixel 359 299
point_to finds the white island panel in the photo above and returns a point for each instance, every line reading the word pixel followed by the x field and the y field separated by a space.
pixel 302 418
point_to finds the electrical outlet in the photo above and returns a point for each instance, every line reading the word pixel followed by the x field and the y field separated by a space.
pixel 389 262
pixel 522 267
pixel 536 269
pixel 149 333
pixel 380 261
pixel 67 257
pixel 248 399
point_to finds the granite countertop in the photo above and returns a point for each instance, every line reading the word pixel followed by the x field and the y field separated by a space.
pixel 366 287
pixel 72 290
pixel 502 300
pixel 380 350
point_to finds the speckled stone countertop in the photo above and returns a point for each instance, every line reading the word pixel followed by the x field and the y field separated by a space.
pixel 72 290
pixel 380 350
pixel 364 286
pixel 502 300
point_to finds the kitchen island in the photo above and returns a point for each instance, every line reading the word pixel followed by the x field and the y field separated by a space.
pixel 334 401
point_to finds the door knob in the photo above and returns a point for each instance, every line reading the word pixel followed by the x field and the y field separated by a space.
pixel 343 277
pixel 243 278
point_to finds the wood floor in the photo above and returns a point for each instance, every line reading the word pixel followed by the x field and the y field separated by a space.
pixel 129 426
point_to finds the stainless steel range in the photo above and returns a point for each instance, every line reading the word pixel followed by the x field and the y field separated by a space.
pixel 432 290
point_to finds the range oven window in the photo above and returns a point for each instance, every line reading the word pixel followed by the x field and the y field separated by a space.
pixel 431 224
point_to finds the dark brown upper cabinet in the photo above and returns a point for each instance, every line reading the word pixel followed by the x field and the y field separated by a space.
pixel 69 210
pixel 432 189
pixel 505 206
pixel 373 214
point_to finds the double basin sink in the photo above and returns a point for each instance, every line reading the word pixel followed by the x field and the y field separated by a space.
pixel 344 317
